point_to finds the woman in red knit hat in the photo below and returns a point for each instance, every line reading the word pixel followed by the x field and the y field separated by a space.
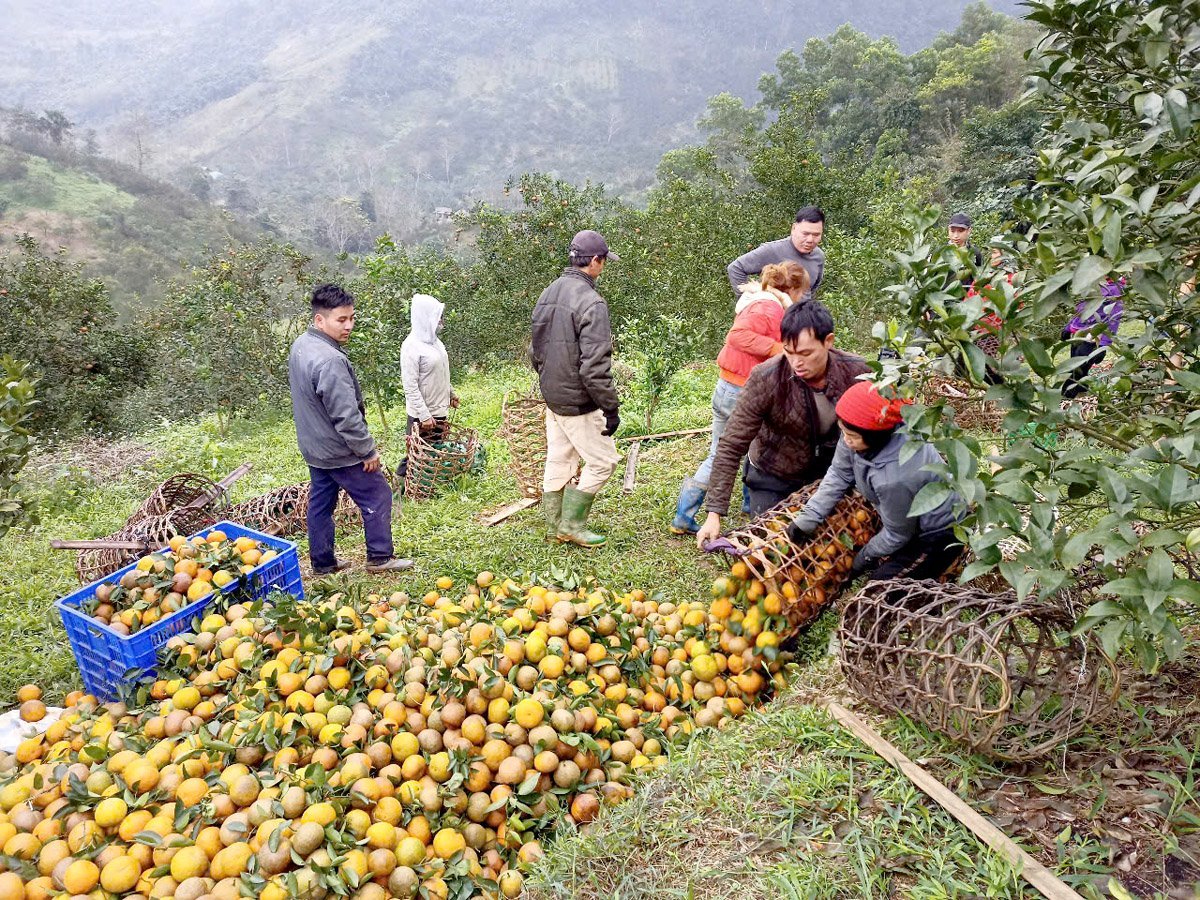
pixel 754 338
pixel 868 457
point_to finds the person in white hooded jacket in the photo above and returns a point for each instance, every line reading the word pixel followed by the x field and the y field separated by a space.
pixel 425 369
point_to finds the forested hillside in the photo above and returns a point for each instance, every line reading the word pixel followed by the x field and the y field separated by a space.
pixel 132 230
pixel 342 120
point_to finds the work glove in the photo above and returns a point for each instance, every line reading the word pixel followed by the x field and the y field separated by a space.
pixel 800 532
pixel 862 563
pixel 612 421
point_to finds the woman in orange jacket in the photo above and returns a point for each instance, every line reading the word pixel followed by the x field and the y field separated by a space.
pixel 754 338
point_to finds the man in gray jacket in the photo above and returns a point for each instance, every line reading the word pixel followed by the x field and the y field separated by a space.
pixel 331 428
pixel 801 246
pixel 572 353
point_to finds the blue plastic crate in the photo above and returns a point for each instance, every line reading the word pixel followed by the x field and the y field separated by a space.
pixel 106 658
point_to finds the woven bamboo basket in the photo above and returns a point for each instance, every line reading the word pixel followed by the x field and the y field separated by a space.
pixel 432 464
pixel 1005 678
pixel 154 531
pixel 808 576
pixel 971 410
pixel 181 490
pixel 523 428
pixel 282 511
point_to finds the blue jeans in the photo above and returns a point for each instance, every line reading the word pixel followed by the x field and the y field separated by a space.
pixel 371 494
pixel 723 401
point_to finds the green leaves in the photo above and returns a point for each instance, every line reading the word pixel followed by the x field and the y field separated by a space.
pixel 17 405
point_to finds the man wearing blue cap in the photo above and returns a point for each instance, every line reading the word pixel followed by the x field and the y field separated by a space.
pixel 571 351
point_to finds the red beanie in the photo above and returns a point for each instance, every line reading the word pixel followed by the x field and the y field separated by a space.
pixel 863 408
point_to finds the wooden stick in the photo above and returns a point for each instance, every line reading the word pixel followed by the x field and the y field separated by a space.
pixel 665 434
pixel 631 462
pixel 511 510
pixel 99 545
pixel 1031 870
pixel 225 484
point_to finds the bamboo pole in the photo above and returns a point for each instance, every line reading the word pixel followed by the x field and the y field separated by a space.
pixel 662 435
pixel 1031 870
pixel 99 544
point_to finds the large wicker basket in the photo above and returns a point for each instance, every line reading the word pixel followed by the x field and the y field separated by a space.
pixel 808 576
pixel 437 460
pixel 1006 678
pixel 523 427
pixel 971 410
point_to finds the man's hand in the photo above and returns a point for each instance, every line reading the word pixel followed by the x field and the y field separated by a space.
pixel 612 421
pixel 428 424
pixel 800 533
pixel 372 464
pixel 709 531
pixel 454 401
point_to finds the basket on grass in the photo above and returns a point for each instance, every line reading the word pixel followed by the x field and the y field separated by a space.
pixel 523 427
pixel 1006 678
pixel 810 575
pixel 971 410
pixel 282 511
pixel 184 489
pixel 437 460
pixel 153 531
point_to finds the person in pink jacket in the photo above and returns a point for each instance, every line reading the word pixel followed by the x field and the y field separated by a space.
pixel 753 339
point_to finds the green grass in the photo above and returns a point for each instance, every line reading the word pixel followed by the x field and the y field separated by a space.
pixel 782 804
pixel 46 186
pixel 445 536
pixel 785 804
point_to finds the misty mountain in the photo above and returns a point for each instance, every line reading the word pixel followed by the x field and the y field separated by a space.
pixel 339 118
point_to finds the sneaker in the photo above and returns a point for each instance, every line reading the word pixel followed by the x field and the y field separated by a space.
pixel 395 564
pixel 338 566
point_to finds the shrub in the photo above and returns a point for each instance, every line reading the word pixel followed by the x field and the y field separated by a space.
pixel 16 409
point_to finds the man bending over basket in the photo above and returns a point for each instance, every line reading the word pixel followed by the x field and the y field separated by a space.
pixel 331 428
pixel 784 417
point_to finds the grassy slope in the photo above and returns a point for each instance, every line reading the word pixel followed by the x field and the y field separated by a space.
pixel 46 186
pixel 784 804
pixel 132 238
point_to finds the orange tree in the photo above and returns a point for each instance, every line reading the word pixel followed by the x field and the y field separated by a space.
pixel 17 403
pixel 383 289
pixel 222 333
pixel 1117 198
pixel 64 325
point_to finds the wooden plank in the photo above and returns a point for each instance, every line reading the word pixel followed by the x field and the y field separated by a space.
pixel 631 462
pixel 662 435
pixel 511 510
pixel 1031 870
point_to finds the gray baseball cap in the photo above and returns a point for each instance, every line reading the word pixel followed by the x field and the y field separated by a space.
pixel 591 243
pixel 960 220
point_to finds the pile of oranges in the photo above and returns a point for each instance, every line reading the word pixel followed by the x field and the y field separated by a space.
pixel 373 746
pixel 163 583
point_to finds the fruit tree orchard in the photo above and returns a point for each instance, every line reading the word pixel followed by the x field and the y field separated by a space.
pixel 1117 197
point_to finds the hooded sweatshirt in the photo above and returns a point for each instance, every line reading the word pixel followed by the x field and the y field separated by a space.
pixel 424 365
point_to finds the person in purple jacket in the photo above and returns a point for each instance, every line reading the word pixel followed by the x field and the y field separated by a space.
pixel 1090 335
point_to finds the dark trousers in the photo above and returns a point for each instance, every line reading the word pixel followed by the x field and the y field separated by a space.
pixel 925 556
pixel 1093 355
pixel 370 493
pixel 766 490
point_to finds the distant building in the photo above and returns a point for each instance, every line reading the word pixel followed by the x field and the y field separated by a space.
pixel 443 214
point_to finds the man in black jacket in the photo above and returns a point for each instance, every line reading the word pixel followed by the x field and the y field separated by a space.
pixel 572 353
